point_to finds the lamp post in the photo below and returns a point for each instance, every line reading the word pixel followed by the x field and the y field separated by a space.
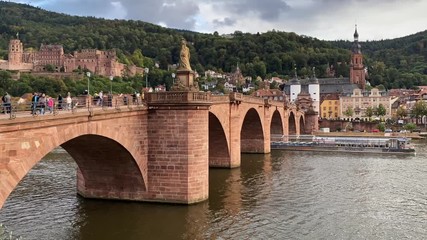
pixel 88 83
pixel 146 78
pixel 111 84
pixel 173 78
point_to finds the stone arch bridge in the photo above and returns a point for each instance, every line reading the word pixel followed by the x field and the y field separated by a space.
pixel 160 152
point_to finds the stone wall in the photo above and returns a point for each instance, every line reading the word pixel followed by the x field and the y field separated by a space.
pixel 178 162
pixel 335 125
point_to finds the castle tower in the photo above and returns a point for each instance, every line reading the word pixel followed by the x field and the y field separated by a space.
pixel 314 90
pixel 16 51
pixel 357 70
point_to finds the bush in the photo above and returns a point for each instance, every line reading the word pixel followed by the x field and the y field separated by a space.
pixel 381 127
pixel 410 126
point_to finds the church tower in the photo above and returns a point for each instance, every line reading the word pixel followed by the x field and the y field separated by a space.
pixel 16 51
pixel 357 70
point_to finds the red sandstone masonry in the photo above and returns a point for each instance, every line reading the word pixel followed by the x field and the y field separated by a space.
pixel 32 138
pixel 178 155
pixel 111 148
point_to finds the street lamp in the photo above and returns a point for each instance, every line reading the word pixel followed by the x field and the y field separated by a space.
pixel 111 84
pixel 173 78
pixel 88 83
pixel 146 77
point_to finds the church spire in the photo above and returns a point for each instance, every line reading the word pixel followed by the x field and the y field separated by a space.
pixel 356 48
pixel 356 35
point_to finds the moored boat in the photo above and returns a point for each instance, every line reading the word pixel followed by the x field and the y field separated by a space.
pixel 344 144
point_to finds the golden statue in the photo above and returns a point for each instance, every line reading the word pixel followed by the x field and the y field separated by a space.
pixel 184 56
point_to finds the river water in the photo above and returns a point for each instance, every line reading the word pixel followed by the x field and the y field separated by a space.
pixel 282 195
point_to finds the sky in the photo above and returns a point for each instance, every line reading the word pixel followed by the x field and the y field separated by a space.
pixel 322 19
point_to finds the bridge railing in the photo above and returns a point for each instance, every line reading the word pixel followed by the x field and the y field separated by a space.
pixel 17 109
pixel 239 97
pixel 178 97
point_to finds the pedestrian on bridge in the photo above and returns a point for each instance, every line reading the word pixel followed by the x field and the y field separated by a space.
pixel 3 101
pixel 59 102
pixel 6 103
pixel 50 104
pixel 34 101
pixel 42 103
pixel 69 101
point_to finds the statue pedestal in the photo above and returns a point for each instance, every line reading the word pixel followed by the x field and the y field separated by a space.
pixel 185 81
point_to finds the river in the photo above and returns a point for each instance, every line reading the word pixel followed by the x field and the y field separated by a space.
pixel 282 195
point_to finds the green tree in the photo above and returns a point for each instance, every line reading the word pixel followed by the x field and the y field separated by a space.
pixel 419 110
pixel 381 127
pixel 401 112
pixel 137 58
pixel 369 112
pixel 50 68
pixel 410 126
pixel 349 112
pixel 380 111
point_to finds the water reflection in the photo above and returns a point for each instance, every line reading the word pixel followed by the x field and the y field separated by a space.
pixel 293 195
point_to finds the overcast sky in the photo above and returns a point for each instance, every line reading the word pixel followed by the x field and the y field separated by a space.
pixel 323 19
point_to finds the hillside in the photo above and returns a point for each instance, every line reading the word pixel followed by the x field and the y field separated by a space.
pixel 399 62
pixel 394 63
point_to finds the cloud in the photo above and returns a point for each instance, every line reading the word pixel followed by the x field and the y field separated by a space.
pixel 173 13
pixel 269 10
pixel 324 19
pixel 224 22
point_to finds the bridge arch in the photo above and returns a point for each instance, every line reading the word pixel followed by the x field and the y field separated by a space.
pixel 292 124
pixel 219 151
pixel 277 126
pixel 301 125
pixel 104 166
pixel 106 154
pixel 252 133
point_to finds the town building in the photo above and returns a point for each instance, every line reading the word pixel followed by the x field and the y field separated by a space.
pixel 318 89
pixel 236 78
pixel 160 88
pixel 267 93
pixel 360 100
pixel 52 58
pixel 330 107
pixel 213 74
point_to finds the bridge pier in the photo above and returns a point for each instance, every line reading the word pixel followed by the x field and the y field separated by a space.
pixel 178 156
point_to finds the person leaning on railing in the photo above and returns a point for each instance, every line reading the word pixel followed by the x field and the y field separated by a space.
pixel 6 103
pixel 3 107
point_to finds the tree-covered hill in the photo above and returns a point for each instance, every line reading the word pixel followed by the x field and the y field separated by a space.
pixel 399 62
pixel 394 63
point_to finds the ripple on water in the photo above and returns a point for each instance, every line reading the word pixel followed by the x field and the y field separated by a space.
pixel 284 195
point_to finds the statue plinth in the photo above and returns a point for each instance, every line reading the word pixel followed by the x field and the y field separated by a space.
pixel 185 81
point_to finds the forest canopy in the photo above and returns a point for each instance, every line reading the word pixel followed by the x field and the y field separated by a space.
pixel 395 63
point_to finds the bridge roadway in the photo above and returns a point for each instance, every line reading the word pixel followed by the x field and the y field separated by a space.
pixel 160 151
